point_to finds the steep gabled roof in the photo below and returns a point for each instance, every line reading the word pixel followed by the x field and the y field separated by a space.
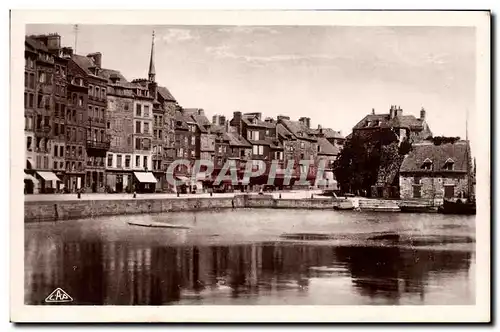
pixel 36 44
pixel 298 129
pixel 236 140
pixel 385 121
pixel 438 154
pixel 109 73
pixel 253 120
pixel 285 133
pixel 165 94
pixel 328 133
pixel 327 148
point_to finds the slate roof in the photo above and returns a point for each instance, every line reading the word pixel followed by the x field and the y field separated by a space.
pixel 108 73
pixel 165 93
pixel 407 121
pixel 252 120
pixel 327 148
pixel 236 140
pixel 184 119
pixel 438 154
pixel 298 129
pixel 328 133
pixel 285 133
pixel 36 44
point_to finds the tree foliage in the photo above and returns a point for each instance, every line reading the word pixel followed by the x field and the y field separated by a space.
pixel 438 140
pixel 357 167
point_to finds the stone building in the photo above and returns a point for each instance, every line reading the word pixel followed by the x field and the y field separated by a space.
pixel 403 126
pixel 262 135
pixel 432 171
pixel 300 144
pixel 334 137
pixel 45 86
pixel 120 128
pixel 143 138
pixel 94 120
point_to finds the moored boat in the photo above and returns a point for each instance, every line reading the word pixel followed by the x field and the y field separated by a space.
pixel 467 207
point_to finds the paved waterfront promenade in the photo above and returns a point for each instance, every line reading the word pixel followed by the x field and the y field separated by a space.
pixel 296 194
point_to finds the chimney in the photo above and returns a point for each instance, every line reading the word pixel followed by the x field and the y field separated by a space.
pixel 222 120
pixel 269 120
pixel 399 111
pixel 392 112
pixel 283 117
pixel 97 57
pixel 54 42
pixel 201 111
pixel 422 114
pixel 373 111
pixel 306 121
pixel 67 52
pixel 320 130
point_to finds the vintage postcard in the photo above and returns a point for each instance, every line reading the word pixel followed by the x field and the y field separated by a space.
pixel 250 166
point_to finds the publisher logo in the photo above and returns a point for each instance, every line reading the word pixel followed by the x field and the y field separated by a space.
pixel 58 296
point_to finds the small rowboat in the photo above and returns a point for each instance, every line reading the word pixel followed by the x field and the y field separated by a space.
pixel 156 224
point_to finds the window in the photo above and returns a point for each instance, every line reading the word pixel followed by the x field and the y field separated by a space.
pixel 29 142
pixel 118 160
pixel 61 151
pixel 180 152
pixel 127 161
pixel 192 153
pixel 255 149
pixel 146 111
pixel 97 95
pixel 26 78
pixel 449 164
pixel 32 81
pixel 73 151
pixel 126 106
pixel 145 162
pixel 138 127
pixel 261 150
pixel 416 180
pixel 146 127
pixel 102 114
pixel 137 161
pixel 138 110
pixel 193 140
pixel 56 129
pixel 80 151
pixel 25 100
pixel 55 164
pixel 137 143
pixel 302 145
pixel 427 165
pixel 155 133
pixel 146 144
pixel 108 125
pixel 185 140
pixel 160 136
pixel 91 90
pixel 31 101
pixel 96 112
pixel 80 101
pixel 103 93
pixel 41 77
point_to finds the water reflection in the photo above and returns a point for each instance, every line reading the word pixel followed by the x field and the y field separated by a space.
pixel 120 273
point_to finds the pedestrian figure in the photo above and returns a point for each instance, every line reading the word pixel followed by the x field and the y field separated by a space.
pixel 280 195
pixel 135 194
pixel 232 203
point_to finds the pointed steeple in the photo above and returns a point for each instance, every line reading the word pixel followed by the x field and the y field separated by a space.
pixel 152 72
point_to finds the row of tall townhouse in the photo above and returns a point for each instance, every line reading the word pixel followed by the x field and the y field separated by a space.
pixel 89 127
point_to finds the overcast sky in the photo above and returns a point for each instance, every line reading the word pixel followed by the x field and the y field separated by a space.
pixel 335 75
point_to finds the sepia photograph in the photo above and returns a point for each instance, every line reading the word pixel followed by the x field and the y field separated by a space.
pixel 314 162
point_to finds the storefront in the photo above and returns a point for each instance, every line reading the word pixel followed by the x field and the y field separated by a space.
pixel 48 182
pixel 31 184
pixel 145 182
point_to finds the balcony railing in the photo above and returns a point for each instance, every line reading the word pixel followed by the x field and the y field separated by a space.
pixel 98 145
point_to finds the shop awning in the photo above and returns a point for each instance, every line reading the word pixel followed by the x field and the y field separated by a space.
pixel 48 176
pixel 30 178
pixel 145 177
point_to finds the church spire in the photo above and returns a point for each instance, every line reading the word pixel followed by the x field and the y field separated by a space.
pixel 152 72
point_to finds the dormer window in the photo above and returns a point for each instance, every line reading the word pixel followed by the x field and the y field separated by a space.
pixel 427 164
pixel 368 123
pixel 377 123
pixel 449 164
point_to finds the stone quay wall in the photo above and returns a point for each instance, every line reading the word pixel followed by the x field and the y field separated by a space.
pixel 81 209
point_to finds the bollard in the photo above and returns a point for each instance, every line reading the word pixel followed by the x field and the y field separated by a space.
pixel 211 194
pixel 177 194
pixel 280 196
pixel 135 194
pixel 79 195
pixel 312 196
